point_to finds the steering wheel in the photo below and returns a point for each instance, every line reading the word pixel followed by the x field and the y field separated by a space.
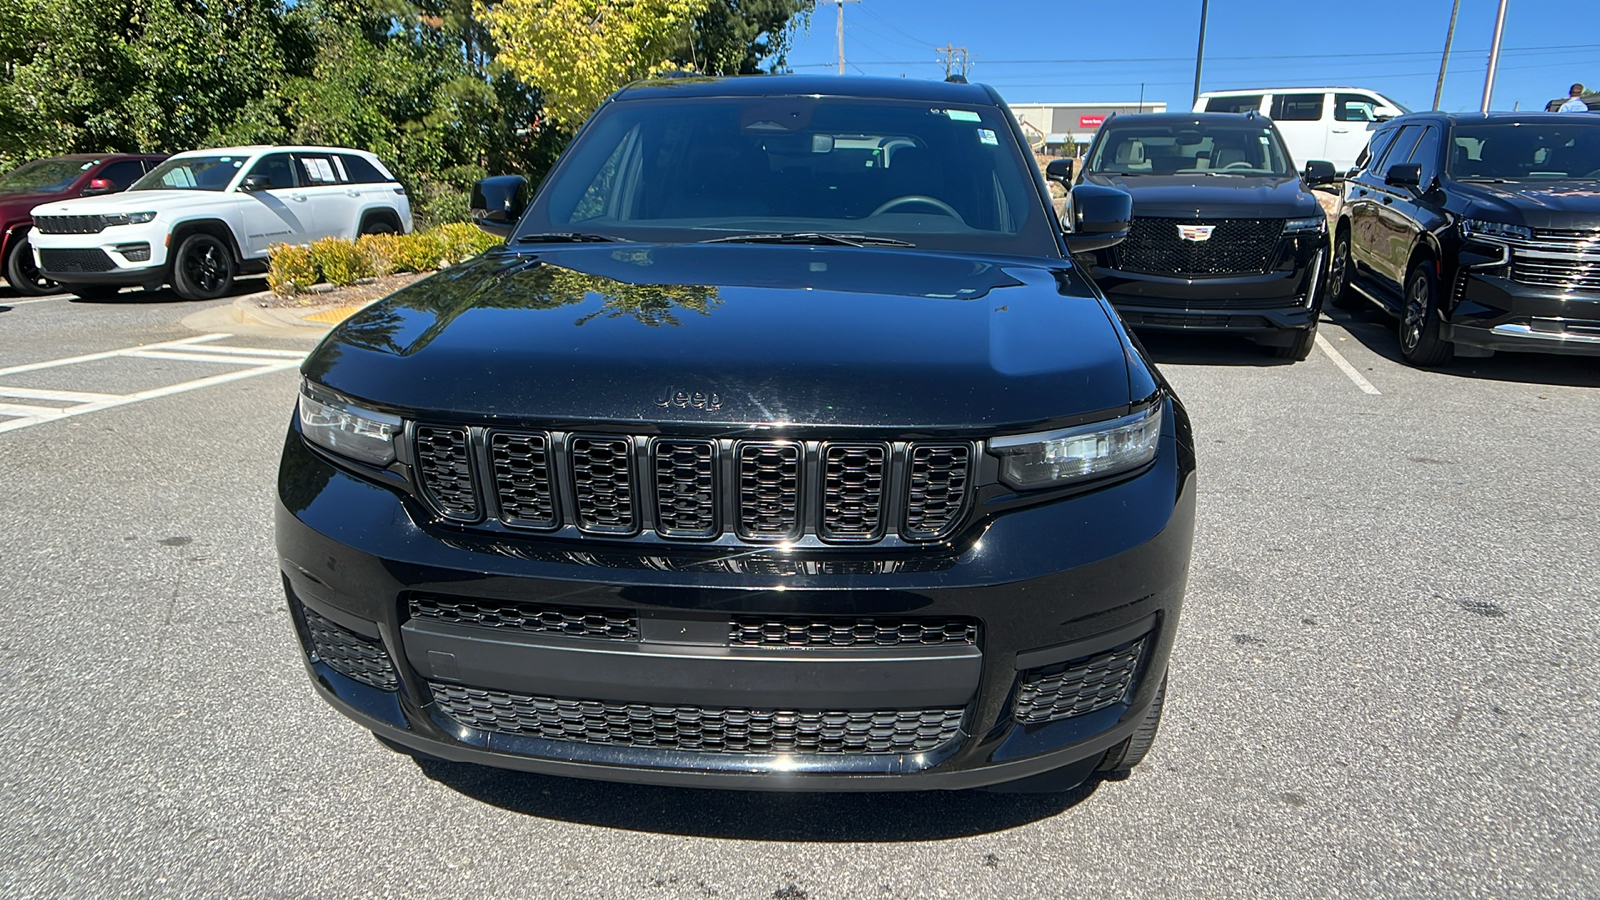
pixel 934 202
pixel 1239 164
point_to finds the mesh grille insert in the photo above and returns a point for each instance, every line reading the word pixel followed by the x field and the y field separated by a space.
pixel 522 479
pixel 686 500
pixel 769 491
pixel 1236 247
pixel 852 484
pixel 94 260
pixel 700 728
pixel 801 631
pixel 444 464
pixel 351 655
pixel 938 490
pixel 615 624
pixel 602 475
pixel 1078 686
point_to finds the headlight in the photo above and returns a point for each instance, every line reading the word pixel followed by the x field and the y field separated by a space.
pixel 342 427
pixel 1309 223
pixel 138 218
pixel 1050 458
pixel 1483 228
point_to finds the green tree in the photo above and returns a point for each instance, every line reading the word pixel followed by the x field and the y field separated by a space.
pixel 738 37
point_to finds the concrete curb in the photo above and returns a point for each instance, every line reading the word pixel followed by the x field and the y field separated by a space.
pixel 247 310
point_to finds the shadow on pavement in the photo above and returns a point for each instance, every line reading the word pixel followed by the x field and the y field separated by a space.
pixel 1376 330
pixel 241 286
pixel 753 815
pixel 1206 349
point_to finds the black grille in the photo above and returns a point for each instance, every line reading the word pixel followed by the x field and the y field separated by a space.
pixel 75 260
pixel 1236 247
pixel 350 654
pixel 1078 686
pixel 444 464
pixel 938 490
pixel 769 491
pixel 69 224
pixel 801 631
pixel 615 624
pixel 852 484
pixel 686 499
pixel 699 728
pixel 522 479
pixel 1191 320
pixel 602 476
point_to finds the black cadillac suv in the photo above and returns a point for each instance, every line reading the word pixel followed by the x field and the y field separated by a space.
pixel 1226 235
pixel 1477 233
pixel 780 447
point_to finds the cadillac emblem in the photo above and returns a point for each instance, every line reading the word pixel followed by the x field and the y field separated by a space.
pixel 1196 232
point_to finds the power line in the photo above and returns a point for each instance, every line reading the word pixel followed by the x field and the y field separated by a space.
pixel 1187 59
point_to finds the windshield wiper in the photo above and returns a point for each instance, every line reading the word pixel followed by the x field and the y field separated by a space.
pixel 563 237
pixel 1484 179
pixel 810 237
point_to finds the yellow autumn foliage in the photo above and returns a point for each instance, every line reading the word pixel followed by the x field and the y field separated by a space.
pixel 577 52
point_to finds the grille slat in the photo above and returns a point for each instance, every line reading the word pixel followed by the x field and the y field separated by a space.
pixel 1565 260
pixel 351 655
pixel 801 631
pixel 852 484
pixel 522 479
pixel 769 491
pixel 938 490
pixel 539 618
pixel 700 728
pixel 1236 247
pixel 1077 687
pixel 93 224
pixel 686 501
pixel 444 464
pixel 602 476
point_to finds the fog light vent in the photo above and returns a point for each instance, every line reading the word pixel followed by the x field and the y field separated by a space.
pixel 1078 686
pixel 351 655
pixel 139 252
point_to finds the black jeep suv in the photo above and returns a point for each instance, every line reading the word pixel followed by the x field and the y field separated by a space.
pixel 781 447
pixel 1226 235
pixel 1477 232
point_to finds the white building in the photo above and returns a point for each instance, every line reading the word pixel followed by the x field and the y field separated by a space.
pixel 1065 129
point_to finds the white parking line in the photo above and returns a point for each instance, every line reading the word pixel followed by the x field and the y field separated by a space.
pixel 256 360
pixel 1345 367
pixel 34 300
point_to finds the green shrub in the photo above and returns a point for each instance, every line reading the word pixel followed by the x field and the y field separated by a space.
pixel 340 261
pixel 462 242
pixel 290 269
pixel 419 251
pixel 379 250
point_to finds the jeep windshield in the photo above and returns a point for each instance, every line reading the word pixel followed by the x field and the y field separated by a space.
pixel 44 176
pixel 1525 151
pixel 1189 148
pixel 191 173
pixel 828 170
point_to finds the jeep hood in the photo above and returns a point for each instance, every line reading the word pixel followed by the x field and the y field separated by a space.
pixel 1213 196
pixel 128 201
pixel 733 335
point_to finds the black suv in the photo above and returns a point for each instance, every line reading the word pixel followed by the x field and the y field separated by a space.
pixel 781 447
pixel 1226 235
pixel 1478 232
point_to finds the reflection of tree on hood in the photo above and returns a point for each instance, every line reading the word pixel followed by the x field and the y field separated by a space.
pixel 410 318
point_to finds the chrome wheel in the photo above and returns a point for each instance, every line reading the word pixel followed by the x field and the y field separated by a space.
pixel 1416 314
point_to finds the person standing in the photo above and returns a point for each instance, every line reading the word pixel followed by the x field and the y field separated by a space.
pixel 1574 101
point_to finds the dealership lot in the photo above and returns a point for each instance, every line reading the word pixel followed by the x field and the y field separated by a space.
pixel 1384 682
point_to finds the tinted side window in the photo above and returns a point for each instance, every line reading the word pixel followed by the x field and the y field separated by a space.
pixel 316 169
pixel 1375 147
pixel 278 168
pixel 122 174
pixel 1400 150
pixel 1235 103
pixel 359 171
pixel 1427 153
pixel 1297 108
pixel 1354 108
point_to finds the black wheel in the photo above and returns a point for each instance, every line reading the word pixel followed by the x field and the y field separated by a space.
pixel 23 274
pixel 1131 752
pixel 93 291
pixel 1420 343
pixel 1340 294
pixel 377 226
pixel 203 267
pixel 1301 348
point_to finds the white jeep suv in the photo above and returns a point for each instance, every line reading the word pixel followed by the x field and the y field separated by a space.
pixel 202 217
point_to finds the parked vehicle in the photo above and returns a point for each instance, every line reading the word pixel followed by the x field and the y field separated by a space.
pixel 1331 123
pixel 1478 232
pixel 1226 236
pixel 200 218
pixel 55 178
pixel 781 447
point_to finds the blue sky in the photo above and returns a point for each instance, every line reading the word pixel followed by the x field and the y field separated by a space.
pixel 1034 51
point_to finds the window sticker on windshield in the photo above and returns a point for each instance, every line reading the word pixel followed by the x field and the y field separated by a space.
pixel 962 115
pixel 986 136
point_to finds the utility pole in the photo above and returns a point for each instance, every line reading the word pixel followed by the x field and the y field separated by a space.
pixel 840 4
pixel 1200 52
pixel 950 54
pixel 1449 37
pixel 1494 56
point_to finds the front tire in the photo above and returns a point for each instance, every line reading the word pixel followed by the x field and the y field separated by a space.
pixel 23 275
pixel 203 268
pixel 377 226
pixel 1420 342
pixel 1340 294
pixel 1132 751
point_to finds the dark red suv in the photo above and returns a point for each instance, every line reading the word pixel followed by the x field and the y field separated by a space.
pixel 56 178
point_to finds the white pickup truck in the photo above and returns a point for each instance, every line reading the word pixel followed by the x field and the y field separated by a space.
pixel 201 218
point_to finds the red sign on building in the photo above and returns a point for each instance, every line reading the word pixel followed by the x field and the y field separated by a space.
pixel 1091 121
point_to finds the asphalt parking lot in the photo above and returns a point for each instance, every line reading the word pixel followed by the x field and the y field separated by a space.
pixel 1385 682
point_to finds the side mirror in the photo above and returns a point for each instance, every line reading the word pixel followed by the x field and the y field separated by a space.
pixel 498 202
pixel 1404 175
pixel 99 186
pixel 1320 171
pixel 1059 171
pixel 1382 117
pixel 253 183
pixel 1101 217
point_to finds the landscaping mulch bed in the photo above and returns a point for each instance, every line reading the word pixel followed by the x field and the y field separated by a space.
pixel 358 294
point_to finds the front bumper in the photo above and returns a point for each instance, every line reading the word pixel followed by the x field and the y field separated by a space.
pixel 120 254
pixel 1496 313
pixel 1073 589
pixel 1277 301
